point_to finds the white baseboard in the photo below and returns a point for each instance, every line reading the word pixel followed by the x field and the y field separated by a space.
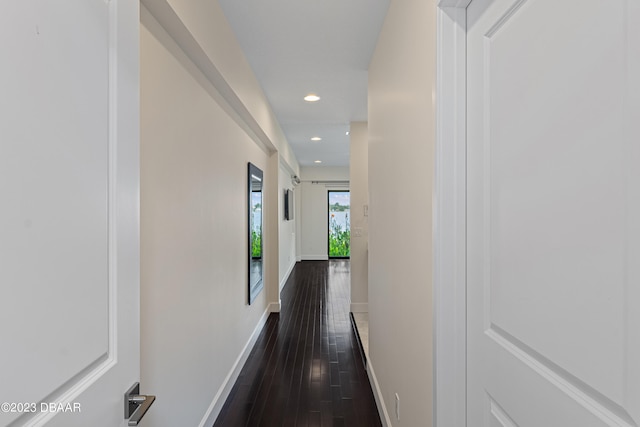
pixel 377 394
pixel 315 257
pixel 286 276
pixel 223 392
pixel 359 307
pixel 298 258
pixel 274 307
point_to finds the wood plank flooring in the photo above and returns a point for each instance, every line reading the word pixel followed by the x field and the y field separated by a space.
pixel 306 368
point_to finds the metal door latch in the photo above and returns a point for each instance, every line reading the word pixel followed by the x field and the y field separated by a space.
pixel 136 404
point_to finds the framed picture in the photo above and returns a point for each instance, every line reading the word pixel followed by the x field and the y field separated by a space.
pixel 289 207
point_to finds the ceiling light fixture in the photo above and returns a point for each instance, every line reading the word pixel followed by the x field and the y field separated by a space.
pixel 312 97
pixel 346 133
pixel 318 161
pixel 316 138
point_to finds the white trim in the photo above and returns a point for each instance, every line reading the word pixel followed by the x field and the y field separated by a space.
pixel 274 307
pixel 283 162
pixel 223 392
pixel 454 4
pixel 164 23
pixel 382 409
pixel 450 218
pixel 286 276
pixel 359 307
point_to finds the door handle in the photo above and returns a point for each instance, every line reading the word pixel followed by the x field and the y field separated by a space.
pixel 136 404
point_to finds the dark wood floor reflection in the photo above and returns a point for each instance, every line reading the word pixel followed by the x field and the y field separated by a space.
pixel 306 368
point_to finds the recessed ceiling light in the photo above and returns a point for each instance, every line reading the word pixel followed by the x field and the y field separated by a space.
pixel 346 133
pixel 312 97
pixel 316 138
pixel 318 161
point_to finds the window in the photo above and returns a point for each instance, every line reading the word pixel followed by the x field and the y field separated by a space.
pixel 339 224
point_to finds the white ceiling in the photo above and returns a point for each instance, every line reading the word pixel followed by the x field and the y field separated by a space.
pixel 297 47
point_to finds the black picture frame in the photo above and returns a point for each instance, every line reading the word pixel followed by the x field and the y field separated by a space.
pixel 289 207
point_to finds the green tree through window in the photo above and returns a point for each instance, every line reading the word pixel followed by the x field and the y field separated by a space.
pixel 339 224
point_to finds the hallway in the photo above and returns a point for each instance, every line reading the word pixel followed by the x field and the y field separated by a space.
pixel 306 368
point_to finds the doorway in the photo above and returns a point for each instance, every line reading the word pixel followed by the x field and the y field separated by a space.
pixel 339 226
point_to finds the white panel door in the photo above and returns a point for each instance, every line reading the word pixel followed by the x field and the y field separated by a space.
pixel 69 263
pixel 553 216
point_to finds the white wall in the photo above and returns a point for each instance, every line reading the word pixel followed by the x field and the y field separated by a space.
pixel 359 173
pixel 314 209
pixel 195 321
pixel 287 234
pixel 401 168
pixel 207 24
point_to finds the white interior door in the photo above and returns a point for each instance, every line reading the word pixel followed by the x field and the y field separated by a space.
pixel 553 204
pixel 69 263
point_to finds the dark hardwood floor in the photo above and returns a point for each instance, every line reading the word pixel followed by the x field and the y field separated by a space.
pixel 306 368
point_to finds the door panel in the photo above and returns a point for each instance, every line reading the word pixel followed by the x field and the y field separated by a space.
pixel 68 179
pixel 552 180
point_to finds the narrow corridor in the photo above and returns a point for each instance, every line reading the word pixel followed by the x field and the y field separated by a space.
pixel 306 368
